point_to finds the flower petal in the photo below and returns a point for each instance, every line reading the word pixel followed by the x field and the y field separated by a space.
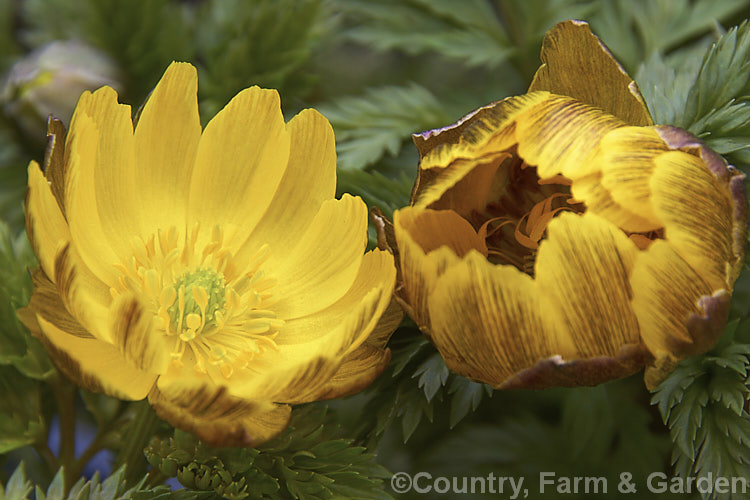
pixel 667 293
pixel 84 295
pixel 697 215
pixel 240 161
pixel 584 267
pixel 446 154
pixel 113 168
pixel 729 177
pixel 621 191
pixel 45 225
pixel 559 135
pixel 166 141
pixel 358 370
pixel 323 265
pixel 54 160
pixel 429 241
pixel 133 333
pixel 80 201
pixel 490 321
pixel 93 364
pixel 323 339
pixel 309 180
pixel 577 64
pixel 217 418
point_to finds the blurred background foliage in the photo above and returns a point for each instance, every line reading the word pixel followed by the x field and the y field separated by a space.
pixel 380 71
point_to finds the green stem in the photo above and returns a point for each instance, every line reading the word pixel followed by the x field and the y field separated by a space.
pixel 65 396
pixel 46 454
pixel 135 439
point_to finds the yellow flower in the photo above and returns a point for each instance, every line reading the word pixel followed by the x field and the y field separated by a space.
pixel 210 270
pixel 559 238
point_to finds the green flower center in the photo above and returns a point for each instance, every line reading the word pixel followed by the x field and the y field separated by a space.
pixel 200 293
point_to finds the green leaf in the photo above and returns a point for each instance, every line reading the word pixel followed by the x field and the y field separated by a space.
pixel 265 43
pixel 396 398
pixel 703 403
pixel 636 29
pixel 374 125
pixel 112 488
pixel 432 375
pixel 143 36
pixel 17 487
pixel 308 460
pixel 471 35
pixel 21 420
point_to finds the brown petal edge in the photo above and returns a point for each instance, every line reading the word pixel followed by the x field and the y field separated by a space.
pixel 556 372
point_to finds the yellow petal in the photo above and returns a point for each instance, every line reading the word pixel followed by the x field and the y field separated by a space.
pixel 598 200
pixel 678 312
pixel 113 169
pixel 217 418
pixel 577 64
pixel 429 241
pixel 486 126
pixel 584 267
pixel 666 291
pixel 358 370
pixel 697 214
pixel 45 224
pixel 133 333
pixel 93 364
pixel 621 191
pixel 463 187
pixel 322 339
pixel 84 295
pixel 46 301
pixel 241 158
pixel 166 141
pixel 81 207
pixel 489 321
pixel 559 134
pixel 323 265
pixel 309 180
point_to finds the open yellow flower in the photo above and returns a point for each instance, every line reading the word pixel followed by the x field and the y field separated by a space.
pixel 559 238
pixel 210 270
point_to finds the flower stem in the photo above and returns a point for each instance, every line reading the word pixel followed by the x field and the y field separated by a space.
pixel 65 396
pixel 135 438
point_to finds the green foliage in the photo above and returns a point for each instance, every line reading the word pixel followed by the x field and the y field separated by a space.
pixel 703 403
pixel 263 43
pixel 17 348
pixel 594 432
pixel 636 29
pixel 712 101
pixel 472 34
pixel 369 127
pixel 308 461
pixel 414 385
pixel 112 488
pixel 143 36
pixel 12 177
pixel 21 420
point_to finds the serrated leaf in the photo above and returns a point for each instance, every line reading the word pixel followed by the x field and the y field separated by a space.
pixel 21 420
pixel 472 35
pixel 466 396
pixel 17 487
pixel 371 126
pixel 635 29
pixel 281 35
pixel 432 375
